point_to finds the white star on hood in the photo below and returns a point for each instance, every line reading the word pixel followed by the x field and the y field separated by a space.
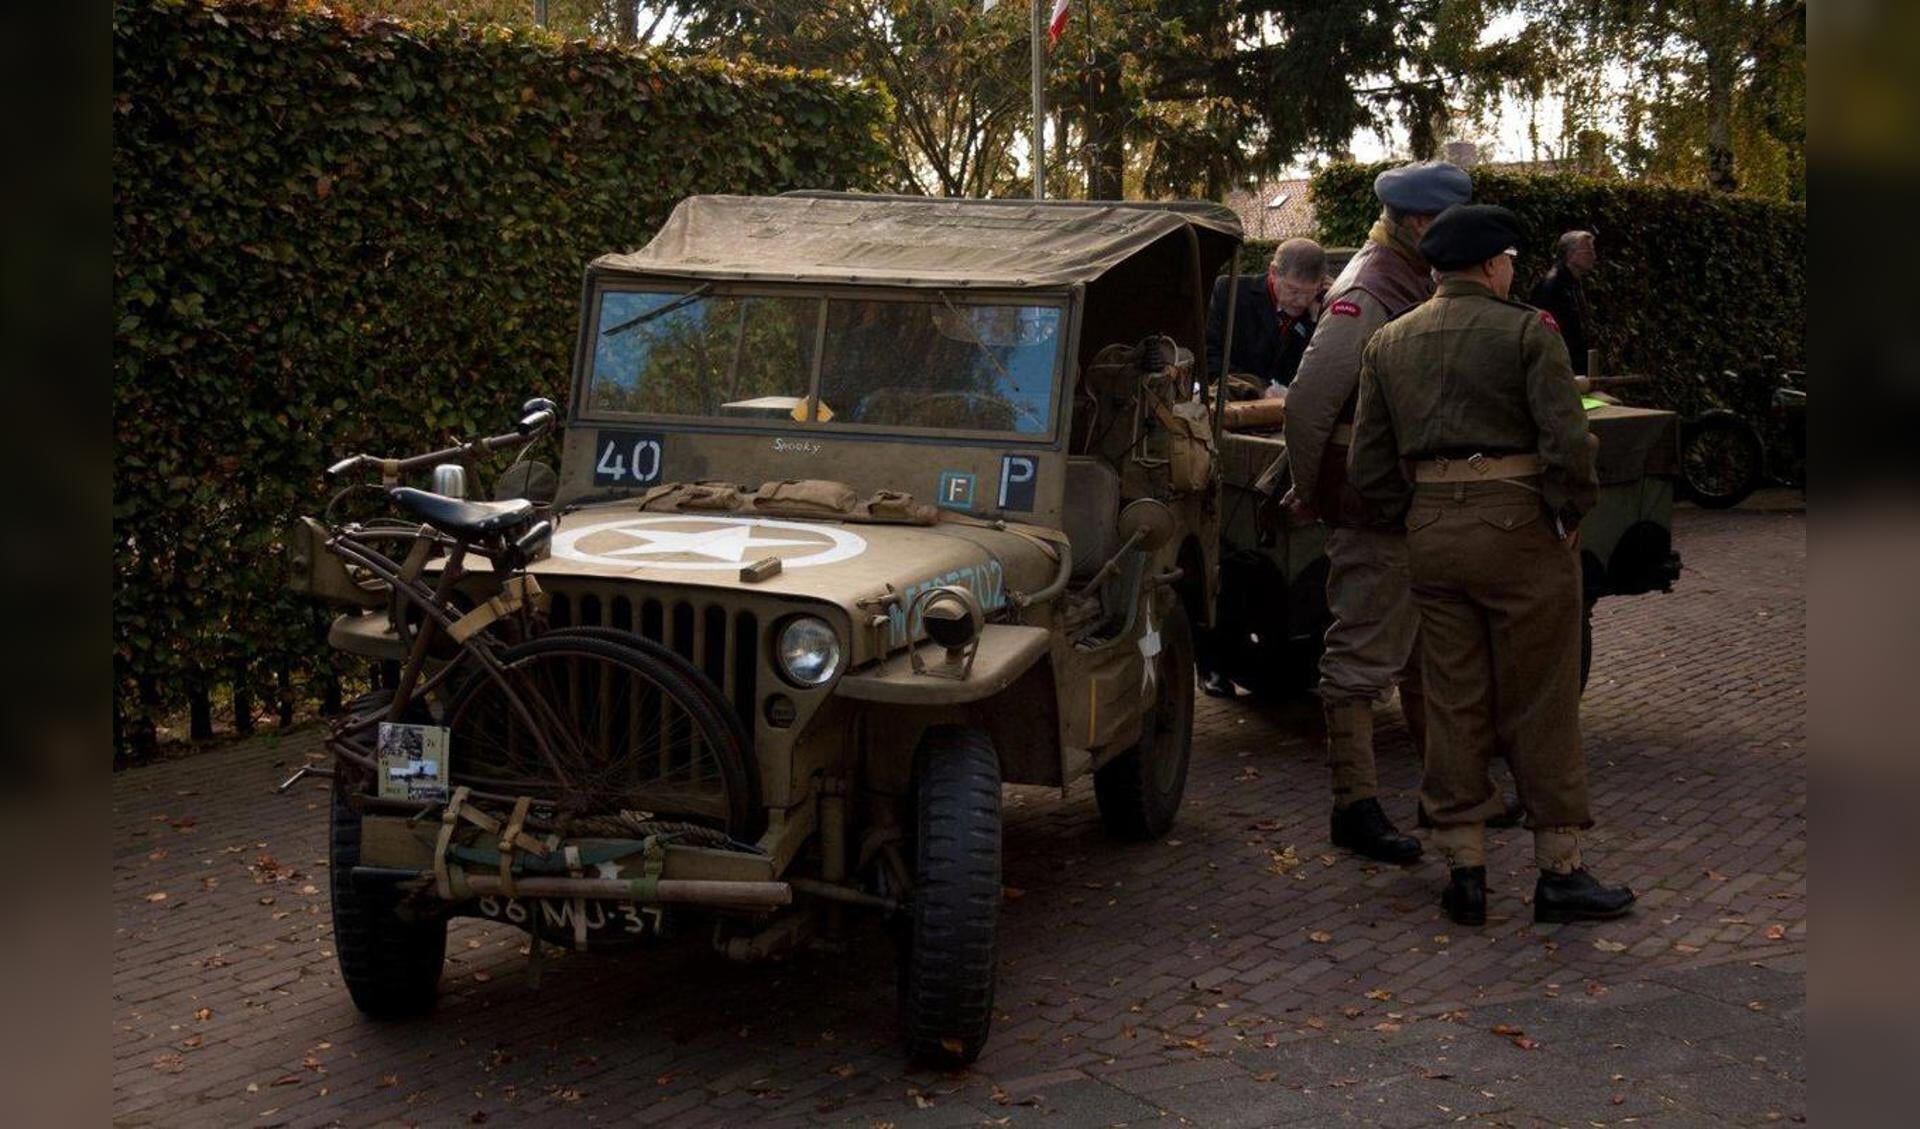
pixel 728 543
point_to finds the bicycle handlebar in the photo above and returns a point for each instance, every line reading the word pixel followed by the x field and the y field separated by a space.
pixel 541 414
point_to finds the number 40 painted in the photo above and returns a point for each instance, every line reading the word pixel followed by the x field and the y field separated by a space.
pixel 627 458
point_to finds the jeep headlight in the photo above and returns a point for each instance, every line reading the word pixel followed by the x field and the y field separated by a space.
pixel 808 651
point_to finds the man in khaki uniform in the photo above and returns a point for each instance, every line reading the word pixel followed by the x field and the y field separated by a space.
pixel 1370 643
pixel 1470 436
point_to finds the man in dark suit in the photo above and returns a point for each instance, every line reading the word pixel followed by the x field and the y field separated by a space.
pixel 1273 315
pixel 1560 293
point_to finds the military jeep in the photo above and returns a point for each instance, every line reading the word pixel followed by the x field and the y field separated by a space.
pixel 1272 606
pixel 917 494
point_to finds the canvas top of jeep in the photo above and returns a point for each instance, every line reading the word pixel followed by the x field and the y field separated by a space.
pixel 875 391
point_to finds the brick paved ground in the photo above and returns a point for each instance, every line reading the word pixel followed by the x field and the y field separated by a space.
pixel 1196 979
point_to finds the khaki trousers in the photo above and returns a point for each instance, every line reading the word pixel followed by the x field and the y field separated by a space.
pixel 1499 605
pixel 1369 647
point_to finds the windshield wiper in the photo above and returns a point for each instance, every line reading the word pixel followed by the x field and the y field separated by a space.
pixel 688 298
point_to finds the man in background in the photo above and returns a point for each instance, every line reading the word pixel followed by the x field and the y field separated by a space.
pixel 1560 293
pixel 1273 315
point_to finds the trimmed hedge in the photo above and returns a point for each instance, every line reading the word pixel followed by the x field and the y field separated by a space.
pixel 1689 282
pixel 335 236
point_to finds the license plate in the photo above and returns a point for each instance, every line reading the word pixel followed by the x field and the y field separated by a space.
pixel 556 916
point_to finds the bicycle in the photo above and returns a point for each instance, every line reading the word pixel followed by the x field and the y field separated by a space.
pixel 1723 456
pixel 534 735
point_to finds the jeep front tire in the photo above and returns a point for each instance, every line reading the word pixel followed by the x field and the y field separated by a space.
pixel 952 943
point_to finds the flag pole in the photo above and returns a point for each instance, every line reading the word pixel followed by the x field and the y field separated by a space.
pixel 1039 100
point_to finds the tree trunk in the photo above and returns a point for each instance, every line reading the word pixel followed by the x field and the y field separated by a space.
pixel 1721 65
pixel 283 682
pixel 242 703
pixel 199 713
pixel 1106 132
pixel 143 736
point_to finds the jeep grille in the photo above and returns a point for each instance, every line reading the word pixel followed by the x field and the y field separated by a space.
pixel 725 648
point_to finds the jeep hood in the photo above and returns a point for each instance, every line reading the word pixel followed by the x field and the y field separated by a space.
pixel 843 563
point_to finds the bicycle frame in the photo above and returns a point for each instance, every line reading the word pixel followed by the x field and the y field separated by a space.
pixel 437 614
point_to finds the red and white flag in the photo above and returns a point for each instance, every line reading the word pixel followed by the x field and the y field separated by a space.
pixel 1058 22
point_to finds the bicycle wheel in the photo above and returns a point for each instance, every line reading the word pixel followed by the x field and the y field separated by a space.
pixel 626 733
pixel 1721 459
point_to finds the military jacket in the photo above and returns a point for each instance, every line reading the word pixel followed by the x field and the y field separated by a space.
pixel 1378 283
pixel 1465 373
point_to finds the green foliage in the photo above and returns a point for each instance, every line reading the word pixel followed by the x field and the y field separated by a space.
pixel 1690 281
pixel 334 236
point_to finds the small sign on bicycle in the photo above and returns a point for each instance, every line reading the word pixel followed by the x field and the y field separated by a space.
pixel 413 761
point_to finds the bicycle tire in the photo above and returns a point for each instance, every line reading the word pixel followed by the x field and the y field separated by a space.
pixel 1721 459
pixel 694 676
pixel 491 751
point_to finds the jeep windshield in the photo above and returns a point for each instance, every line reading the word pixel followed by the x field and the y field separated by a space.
pixel 936 360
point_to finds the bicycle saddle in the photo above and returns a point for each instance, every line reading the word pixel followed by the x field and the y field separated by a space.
pixel 460 518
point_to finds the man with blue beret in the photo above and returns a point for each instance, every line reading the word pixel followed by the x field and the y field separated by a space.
pixel 1370 643
pixel 1470 439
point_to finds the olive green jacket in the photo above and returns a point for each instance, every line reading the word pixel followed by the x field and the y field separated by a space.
pixel 1463 373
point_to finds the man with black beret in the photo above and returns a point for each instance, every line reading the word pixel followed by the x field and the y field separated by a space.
pixel 1370 642
pixel 1469 435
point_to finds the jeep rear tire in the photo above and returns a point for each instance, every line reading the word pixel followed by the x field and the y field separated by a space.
pixel 1140 790
pixel 391 964
pixel 952 943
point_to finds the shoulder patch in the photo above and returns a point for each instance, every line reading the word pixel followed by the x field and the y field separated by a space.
pixel 1344 308
pixel 1546 319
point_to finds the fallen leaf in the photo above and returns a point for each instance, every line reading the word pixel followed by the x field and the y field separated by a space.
pixel 1507 1029
pixel 844 1070
pixel 920 1100
pixel 1596 989
pixel 1316 1022
pixel 191 1041
pixel 1776 932
pixel 157 896
pixel 1617 1099
pixel 665 1079
pixel 1379 994
pixel 1685 949
pixel 169 1063
pixel 1525 1044
pixel 1266 1076
pixel 481 975
pixel 1386 1026
pixel 1352 1012
pixel 203 1014
pixel 294 1080
pixel 156 856
pixel 1607 946
pixel 1319 936
pixel 1714 875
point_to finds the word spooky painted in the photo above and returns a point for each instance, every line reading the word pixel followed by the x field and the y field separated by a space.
pixel 706 543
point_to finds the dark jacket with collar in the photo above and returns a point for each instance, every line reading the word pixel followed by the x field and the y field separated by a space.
pixel 1266 343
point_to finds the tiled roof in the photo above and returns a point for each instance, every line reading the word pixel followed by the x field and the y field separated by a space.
pixel 1274 210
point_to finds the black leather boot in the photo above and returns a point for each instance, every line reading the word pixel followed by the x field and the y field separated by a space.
pixel 1363 826
pixel 1217 685
pixel 1579 896
pixel 1465 898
